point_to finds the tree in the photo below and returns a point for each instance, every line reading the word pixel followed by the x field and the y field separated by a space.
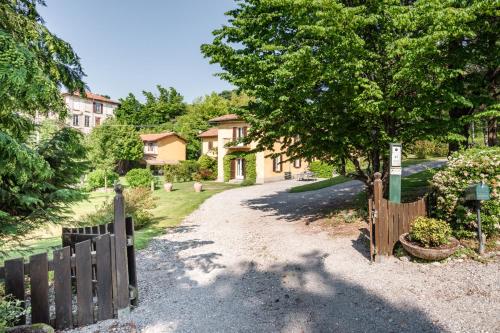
pixel 158 109
pixel 37 180
pixel 340 80
pixel 113 145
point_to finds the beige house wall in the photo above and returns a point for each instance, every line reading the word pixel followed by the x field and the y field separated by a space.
pixel 205 146
pixel 171 148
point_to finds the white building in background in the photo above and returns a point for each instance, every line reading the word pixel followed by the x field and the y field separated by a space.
pixel 87 112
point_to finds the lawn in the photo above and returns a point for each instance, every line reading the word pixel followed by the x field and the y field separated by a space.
pixel 319 185
pixel 416 185
pixel 172 208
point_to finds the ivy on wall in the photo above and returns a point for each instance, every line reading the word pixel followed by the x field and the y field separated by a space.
pixel 250 166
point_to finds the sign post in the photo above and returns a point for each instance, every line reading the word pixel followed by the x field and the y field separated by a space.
pixel 395 172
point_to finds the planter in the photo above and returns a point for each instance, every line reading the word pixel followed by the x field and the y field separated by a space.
pixel 198 187
pixel 429 253
pixel 168 187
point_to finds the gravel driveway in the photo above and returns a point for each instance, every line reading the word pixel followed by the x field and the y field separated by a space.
pixel 246 262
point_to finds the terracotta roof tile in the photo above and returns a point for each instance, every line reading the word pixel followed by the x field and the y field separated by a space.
pixel 212 132
pixel 158 136
pixel 94 97
pixel 227 117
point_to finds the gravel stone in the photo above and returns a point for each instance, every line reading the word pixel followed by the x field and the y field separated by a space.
pixel 246 262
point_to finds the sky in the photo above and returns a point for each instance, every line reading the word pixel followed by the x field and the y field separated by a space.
pixel 131 45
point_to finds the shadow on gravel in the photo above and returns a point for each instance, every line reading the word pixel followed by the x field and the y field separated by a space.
pixel 288 297
pixel 305 206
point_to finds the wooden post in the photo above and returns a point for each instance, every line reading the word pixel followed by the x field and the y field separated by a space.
pixel 132 270
pixel 122 297
pixel 377 202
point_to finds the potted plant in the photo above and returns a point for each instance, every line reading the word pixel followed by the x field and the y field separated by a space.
pixel 429 239
pixel 198 186
pixel 169 180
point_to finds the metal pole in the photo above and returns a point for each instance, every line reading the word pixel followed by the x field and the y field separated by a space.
pixel 479 232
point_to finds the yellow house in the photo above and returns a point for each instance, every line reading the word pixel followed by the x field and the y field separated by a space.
pixel 163 148
pixel 230 129
pixel 209 142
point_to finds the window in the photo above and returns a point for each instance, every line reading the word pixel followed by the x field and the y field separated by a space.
pixel 239 133
pixel 75 120
pixel 97 121
pixel 151 147
pixel 297 163
pixel 210 145
pixel 86 122
pixel 98 108
pixel 277 164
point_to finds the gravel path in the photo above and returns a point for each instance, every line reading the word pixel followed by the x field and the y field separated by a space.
pixel 246 262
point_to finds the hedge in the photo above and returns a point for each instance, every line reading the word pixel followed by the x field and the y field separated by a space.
pixel 96 179
pixel 139 178
pixel 321 169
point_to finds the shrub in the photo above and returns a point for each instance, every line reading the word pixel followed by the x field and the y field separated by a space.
pixel 430 232
pixel 138 203
pixel 139 178
pixel 321 169
pixel 10 310
pixel 182 172
pixel 207 167
pixel 449 184
pixel 96 179
pixel 426 148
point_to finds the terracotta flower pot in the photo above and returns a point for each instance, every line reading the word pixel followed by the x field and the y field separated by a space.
pixel 429 253
pixel 168 187
pixel 198 187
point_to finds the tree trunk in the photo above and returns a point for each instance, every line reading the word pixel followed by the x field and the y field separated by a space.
pixel 492 132
pixel 455 117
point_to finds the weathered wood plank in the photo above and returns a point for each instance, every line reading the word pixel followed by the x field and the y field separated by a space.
pixel 132 270
pixel 391 207
pixel 62 288
pixel 104 277
pixel 14 282
pixel 384 227
pixel 122 299
pixel 84 283
pixel 39 283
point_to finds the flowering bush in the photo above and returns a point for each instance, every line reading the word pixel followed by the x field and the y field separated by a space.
pixel 464 169
pixel 430 232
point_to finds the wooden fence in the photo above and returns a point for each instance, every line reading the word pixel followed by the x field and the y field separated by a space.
pixel 389 220
pixel 94 275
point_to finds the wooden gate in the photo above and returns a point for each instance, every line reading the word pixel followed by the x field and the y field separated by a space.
pixel 94 275
pixel 389 220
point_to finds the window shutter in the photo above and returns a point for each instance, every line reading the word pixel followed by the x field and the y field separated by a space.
pixel 245 129
pixel 233 169
pixel 274 164
pixel 244 167
pixel 235 133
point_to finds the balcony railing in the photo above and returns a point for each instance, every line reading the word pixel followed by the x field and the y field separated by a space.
pixel 231 143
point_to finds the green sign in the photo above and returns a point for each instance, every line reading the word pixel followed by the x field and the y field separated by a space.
pixel 395 171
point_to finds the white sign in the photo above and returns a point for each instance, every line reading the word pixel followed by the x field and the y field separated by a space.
pixel 396 171
pixel 396 156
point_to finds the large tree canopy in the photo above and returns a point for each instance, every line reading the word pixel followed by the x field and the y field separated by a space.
pixel 113 145
pixel 158 109
pixel 36 179
pixel 349 77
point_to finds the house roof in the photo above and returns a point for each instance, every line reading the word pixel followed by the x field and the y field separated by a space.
pixel 94 97
pixel 227 117
pixel 158 136
pixel 210 133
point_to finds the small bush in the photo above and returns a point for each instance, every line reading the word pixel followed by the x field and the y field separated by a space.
pixel 466 168
pixel 207 162
pixel 321 169
pixel 430 232
pixel 425 148
pixel 139 178
pixel 182 172
pixel 138 203
pixel 10 311
pixel 96 179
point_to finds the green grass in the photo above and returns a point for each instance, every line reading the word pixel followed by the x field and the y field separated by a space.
pixel 416 185
pixel 412 161
pixel 172 208
pixel 319 185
